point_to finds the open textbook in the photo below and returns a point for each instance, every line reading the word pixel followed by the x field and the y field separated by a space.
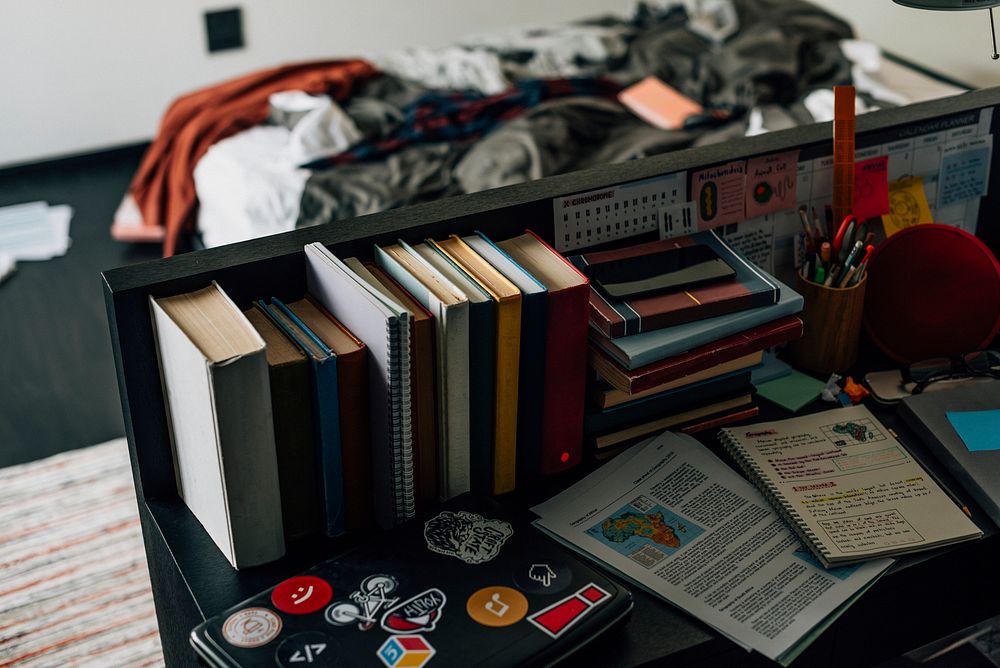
pixel 675 520
pixel 847 487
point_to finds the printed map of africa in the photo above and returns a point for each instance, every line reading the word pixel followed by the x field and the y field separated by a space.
pixel 619 529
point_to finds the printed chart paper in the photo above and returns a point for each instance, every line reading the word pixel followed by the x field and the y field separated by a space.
pixel 772 183
pixel 718 194
pixel 678 221
pixel 965 168
pixel 640 207
pixel 754 240
pixel 599 216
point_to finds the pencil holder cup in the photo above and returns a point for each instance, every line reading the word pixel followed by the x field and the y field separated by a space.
pixel 832 318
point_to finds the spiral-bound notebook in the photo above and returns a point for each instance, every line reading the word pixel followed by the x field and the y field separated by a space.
pixel 382 325
pixel 452 314
pixel 847 487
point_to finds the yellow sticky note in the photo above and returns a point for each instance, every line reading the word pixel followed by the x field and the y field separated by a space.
pixel 907 206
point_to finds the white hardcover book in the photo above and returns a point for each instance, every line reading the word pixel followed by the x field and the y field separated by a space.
pixel 451 315
pixel 374 320
pixel 218 399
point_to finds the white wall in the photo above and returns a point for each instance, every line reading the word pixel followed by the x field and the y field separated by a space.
pixel 954 43
pixel 78 76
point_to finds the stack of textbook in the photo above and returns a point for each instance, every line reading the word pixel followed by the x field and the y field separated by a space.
pixel 428 370
pixel 680 359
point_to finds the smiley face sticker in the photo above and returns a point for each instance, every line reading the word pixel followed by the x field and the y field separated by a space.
pixel 302 595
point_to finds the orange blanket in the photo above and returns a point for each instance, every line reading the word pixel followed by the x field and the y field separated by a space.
pixel 163 187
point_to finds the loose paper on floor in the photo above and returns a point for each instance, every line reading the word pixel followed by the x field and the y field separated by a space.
pixel 675 520
pixel 34 231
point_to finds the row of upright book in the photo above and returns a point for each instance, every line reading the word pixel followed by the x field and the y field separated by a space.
pixel 680 359
pixel 438 368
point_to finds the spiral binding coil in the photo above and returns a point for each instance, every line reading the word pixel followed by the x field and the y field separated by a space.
pixel 400 418
pixel 762 481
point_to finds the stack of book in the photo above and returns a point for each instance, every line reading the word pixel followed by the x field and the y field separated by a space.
pixel 435 369
pixel 679 358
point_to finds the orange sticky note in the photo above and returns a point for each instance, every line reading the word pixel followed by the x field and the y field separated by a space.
pixel 658 104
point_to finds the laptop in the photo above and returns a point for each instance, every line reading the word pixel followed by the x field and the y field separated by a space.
pixel 465 585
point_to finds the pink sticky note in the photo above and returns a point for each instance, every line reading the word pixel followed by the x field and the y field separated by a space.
pixel 871 187
pixel 771 183
pixel 718 194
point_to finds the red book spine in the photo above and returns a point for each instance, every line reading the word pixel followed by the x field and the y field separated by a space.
pixel 565 373
pixel 729 348
pixel 670 309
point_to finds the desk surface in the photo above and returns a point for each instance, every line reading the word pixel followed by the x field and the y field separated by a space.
pixel 921 599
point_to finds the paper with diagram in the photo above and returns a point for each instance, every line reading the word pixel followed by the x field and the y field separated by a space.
pixel 677 521
pixel 847 486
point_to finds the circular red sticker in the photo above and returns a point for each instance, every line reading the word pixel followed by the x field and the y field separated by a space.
pixel 301 595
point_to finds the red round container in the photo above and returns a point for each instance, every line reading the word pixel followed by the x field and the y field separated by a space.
pixel 933 291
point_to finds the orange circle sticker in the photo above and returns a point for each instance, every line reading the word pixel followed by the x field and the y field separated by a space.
pixel 497 606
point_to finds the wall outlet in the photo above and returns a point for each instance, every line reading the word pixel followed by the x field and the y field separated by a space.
pixel 224 29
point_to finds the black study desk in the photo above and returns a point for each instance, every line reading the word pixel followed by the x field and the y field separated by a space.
pixel 923 599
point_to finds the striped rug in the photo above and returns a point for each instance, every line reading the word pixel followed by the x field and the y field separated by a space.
pixel 74 590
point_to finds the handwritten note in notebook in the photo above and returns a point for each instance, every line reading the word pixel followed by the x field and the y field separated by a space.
pixel 847 486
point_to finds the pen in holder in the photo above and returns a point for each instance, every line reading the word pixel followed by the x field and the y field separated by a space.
pixel 832 318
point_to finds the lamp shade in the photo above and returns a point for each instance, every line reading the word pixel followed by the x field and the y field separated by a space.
pixel 948 5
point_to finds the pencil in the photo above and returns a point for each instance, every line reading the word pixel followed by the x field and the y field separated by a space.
pixel 958 502
pixel 819 226
pixel 831 276
pixel 842 283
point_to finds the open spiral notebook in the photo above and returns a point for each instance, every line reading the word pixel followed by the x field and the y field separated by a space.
pixel 848 488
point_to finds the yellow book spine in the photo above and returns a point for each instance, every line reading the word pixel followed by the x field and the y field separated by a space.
pixel 507 358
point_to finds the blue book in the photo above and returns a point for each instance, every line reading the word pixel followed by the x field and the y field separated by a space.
pixel 531 366
pixel 639 350
pixel 326 411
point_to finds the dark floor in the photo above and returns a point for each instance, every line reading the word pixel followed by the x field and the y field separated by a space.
pixel 57 378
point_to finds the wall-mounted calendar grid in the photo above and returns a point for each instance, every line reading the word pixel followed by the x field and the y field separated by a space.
pixel 600 216
pixel 956 153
